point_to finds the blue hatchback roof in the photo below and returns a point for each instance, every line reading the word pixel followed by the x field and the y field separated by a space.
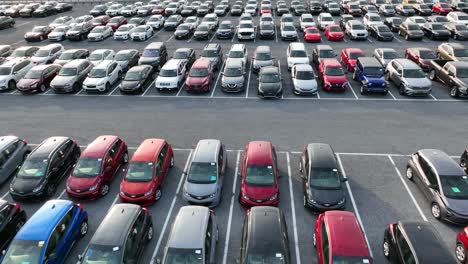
pixel 42 223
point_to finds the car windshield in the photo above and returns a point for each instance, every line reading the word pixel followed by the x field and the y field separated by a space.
pixel 67 71
pixel 209 53
pixel 42 53
pixel 133 76
pixel 349 259
pixel 427 55
pixel 390 55
pixel 33 75
pixel 140 171
pixel 298 54
pixel 122 56
pixel 259 175
pixel 87 167
pixel 397 21
pixel 334 71
pixel 407 7
pixel 33 168
pixel 124 28
pixel 354 7
pixel 19 53
pixel 193 20
pixel 444 5
pixel 139 29
pixel 182 27
pixel 375 18
pixel 455 187
pixel 202 172
pixel 246 25
pixel 198 72
pixel 462 72
pixel 374 71
pixel 5 71
pixel 460 52
pixel 307 19
pixel 95 56
pixel 325 178
pixel 263 56
pixel 461 27
pixel 236 54
pixel 462 18
pixel 267 19
pixel 313 30
pixel 28 251
pixel 181 55
pixel 354 56
pixel 267 27
pixel 419 20
pixel 59 21
pixel 172 19
pixel 97 30
pixel 383 29
pixel 150 53
pixel 358 27
pixel 413 73
pixel 97 73
pixel 76 28
pixel 183 256
pixel 60 29
pixel 289 28
pixel 413 27
pixel 102 254
pixel 37 29
pixel 272 258
pixel 324 54
pixel 202 28
pixel 114 20
pixel 233 72
pixel 153 19
pixel 305 75
pixel 168 73
pixel 334 29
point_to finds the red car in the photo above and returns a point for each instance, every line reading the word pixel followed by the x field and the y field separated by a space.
pixel 462 244
pixel 442 8
pixel 38 78
pixel 259 175
pixel 116 22
pixel 159 10
pixel 96 167
pixel 312 34
pixel 338 238
pixel 334 33
pixel 421 56
pixel 200 76
pixel 100 21
pixel 265 9
pixel 146 172
pixel 332 75
pixel 349 57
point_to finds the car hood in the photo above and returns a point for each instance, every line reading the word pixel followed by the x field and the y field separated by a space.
pixel 93 81
pixel 197 189
pixel 135 187
pixel 305 84
pixel 161 79
pixel 196 80
pixel 358 31
pixel 260 192
pixel 181 32
pixel 39 59
pixel 233 80
pixel 25 185
pixel 93 35
pixel 270 86
pixel 82 183
pixel 336 34
pixel 62 80
pixel 418 82
pixel 56 34
pixel 335 79
pixel 459 206
pixel 261 63
pixel 296 60
pixel 32 34
pixel 129 84
pixel 28 82
pixel 330 197
pixel 248 30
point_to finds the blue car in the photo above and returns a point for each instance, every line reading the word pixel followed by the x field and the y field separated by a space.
pixel 370 73
pixel 48 236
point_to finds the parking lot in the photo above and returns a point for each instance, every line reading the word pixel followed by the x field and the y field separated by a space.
pixel 372 135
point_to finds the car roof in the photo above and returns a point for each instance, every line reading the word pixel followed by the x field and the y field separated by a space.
pixel 345 234
pixel 303 67
pixel 148 150
pixel 116 225
pixel 104 64
pixel 259 152
pixel 265 231
pixel 172 64
pixel 99 146
pixel 297 45
pixel 321 155
pixel 407 64
pixel 75 63
pixel 42 223
pixel 262 49
pixel 233 63
pixel 154 45
pixel 354 50
pixel 48 146
pixel 189 228
pixel 369 62
pixel 13 62
pixel 126 51
pixel 442 163
pixel 211 46
pixel 426 242
pixel 331 63
pixel 238 47
pixel 206 150
pixel 324 47
pixel 7 140
pixel 139 68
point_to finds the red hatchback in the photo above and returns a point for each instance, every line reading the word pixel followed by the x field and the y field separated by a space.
pixel 334 33
pixel 38 78
pixel 96 167
pixel 200 76
pixel 146 172
pixel 442 8
pixel 100 20
pixel 116 22
pixel 312 34
pixel 332 75
pixel 338 238
pixel 462 245
pixel 349 57
pixel 259 175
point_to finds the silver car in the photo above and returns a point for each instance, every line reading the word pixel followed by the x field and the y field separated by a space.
pixel 233 76
pixel 205 174
pixel 262 57
pixel 71 76
pixel 408 77
pixel 13 151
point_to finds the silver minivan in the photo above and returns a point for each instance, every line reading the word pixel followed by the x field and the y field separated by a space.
pixel 233 76
pixel 205 174
pixel 193 237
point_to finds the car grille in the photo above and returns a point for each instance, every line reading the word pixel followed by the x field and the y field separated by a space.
pixel 79 190
pixel 199 197
pixel 91 86
pixel 245 33
pixel 164 84
pixel 134 195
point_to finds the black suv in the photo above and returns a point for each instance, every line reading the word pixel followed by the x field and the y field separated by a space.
pixel 121 237
pixel 442 181
pixel 13 218
pixel 44 168
pixel 321 179
pixel 79 31
pixel 415 242
pixel 265 236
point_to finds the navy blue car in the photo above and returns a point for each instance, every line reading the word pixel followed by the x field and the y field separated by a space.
pixel 48 236
pixel 370 73
pixel 225 30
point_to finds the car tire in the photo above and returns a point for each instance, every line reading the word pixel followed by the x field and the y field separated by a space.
pixel 460 253
pixel 454 92
pixel 76 87
pixel 363 90
pixel 463 164
pixel 387 76
pixel 104 190
pixel 107 87
pixel 171 164
pixel 42 88
pixel 409 173
pixel 386 248
pixel 407 37
pixel 12 85
pixel 50 190
pixel 84 227
pixel 401 89
pixel 119 76
pixel 455 37
pixel 355 76
pixel 432 75
pixel 149 235
pixel 435 211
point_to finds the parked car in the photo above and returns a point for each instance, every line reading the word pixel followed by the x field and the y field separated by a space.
pixel 44 169
pixel 387 10
pixel 411 31
pixel 324 20
pixel 304 80
pixel 381 32
pixel 47 54
pixel 421 56
pixel 14 218
pixel 117 22
pixel 452 51
pixel 71 76
pixel 98 10
pixel 262 57
pixel 172 22
pixel 187 54
pixel 203 32
pixel 171 76
pixel 296 53
pixel 11 72
pixel 332 75
pixel 58 34
pixel 423 10
pixel 22 52
pixel 214 53
pixel 71 54
pixel 334 33
pixel 349 57
pixel 14 151
pixel 61 21
pixel 451 73
pixel 100 55
pixel 385 55
pixel 137 79
pixel 103 77
pixel 233 75
pixel 100 33
pixel 321 52
pixel 457 31
pixel 79 31
pixel 408 77
pixel 38 33
pixel 405 10
pixel 312 34
pixel 355 30
pixel 100 20
pixel 127 58
pixel 458 17
pixel 352 8
pixel 393 23
pixel 442 8
pixel 436 31
pixel 156 21
pixel 6 22
pixel 370 73
pixel 155 54
pixel 38 78
pixel 142 33
pixel 44 11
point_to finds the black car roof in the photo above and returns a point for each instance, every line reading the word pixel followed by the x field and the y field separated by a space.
pixel 426 243
pixel 369 62
pixel 265 231
pixel 321 155
pixel 47 147
pixel 443 163
pixel 114 228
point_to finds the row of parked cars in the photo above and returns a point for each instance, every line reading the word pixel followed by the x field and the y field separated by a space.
pixel 195 232
pixel 47 8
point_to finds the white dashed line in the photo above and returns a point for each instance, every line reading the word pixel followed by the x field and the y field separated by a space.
pixel 293 211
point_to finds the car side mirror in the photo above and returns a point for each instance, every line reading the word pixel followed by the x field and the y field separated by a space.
pixel 3 252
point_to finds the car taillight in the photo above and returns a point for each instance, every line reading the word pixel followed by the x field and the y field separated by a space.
pixel 25 142
pixel 146 210
pixel 80 206
pixel 17 207
pixel 212 211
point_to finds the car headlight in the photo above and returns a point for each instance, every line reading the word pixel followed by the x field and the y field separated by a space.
pixel 327 83
pixel 245 196
pixel 40 187
pixel 122 193
pixel 94 187
pixel 342 201
pixel 274 197
pixel 213 194
pixel 149 192
pixel 365 82
pixel 67 85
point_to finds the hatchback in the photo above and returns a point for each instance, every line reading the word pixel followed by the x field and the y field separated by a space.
pixel 11 72
pixel 262 58
pixel 12 218
pixel 137 79
pixel 13 151
pixel 96 167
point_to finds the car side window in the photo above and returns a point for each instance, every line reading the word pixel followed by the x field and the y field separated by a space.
pixel 451 70
pixel 160 161
pixel 129 245
pixel 325 246
pixel 53 242
pixel 208 240
pixel 8 152
pixel 2 158
pixel 405 250
pixel 220 158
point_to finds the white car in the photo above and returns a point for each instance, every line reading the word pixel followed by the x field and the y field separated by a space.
pixel 304 80
pixel 297 54
pixel 171 76
pixel 417 19
pixel 103 76
pixel 324 20
pixel 47 54
pixel 114 10
pixel 59 33
pixel 212 20
pixel 100 55
pixel 306 20
pixel 192 20
pixel 288 31
pixel 123 32
pixel 81 19
pixel 156 21
pixel 142 32
pixel 246 17
pixel 245 30
pixel 238 52
pixel 286 18
pixel 12 71
pixel 251 9
pixel 267 19
pixel 458 17
pixel 128 11
pixel 372 19
pixel 61 21
pixel 100 33
pixel 355 30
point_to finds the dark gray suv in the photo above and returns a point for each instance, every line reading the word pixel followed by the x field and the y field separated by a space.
pixel 13 151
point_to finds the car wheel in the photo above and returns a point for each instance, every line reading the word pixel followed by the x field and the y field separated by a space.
pixel 435 210
pixel 76 87
pixel 363 90
pixel 409 173
pixel 125 158
pixel 172 162
pixel 12 85
pixel 42 88
pixel 107 87
pixel 460 252
pixel 104 190
pixel 158 194
pixel 454 92
pixel 119 76
pixel 463 164
pixel 386 248
pixel 432 75
pixel 12 24
pixel 401 89
pixel 84 227
pixel 150 233
pixel 315 240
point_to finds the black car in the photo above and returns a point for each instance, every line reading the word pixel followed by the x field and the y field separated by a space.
pixel 183 31
pixel 457 31
pixel 137 79
pixel 381 32
pixel 442 181
pixel 405 10
pixel 12 218
pixel 63 7
pixel 415 242
pixel 122 235
pixel 423 10
pixel 202 32
pixel 6 22
pixel 265 237
pixel 98 10
pixel 28 10
pixel 315 7
pixel 44 168
pixel 321 179
pixel 202 10
pixel 38 33
pixel 44 10
pixel 127 58
pixel 332 8
pixel 267 31
pixel 185 54
pixel 393 23
pixel 269 82
pixel 137 21
pixel 436 31
pixel 343 20
pixel 79 31
pixel 237 10
pixel 188 11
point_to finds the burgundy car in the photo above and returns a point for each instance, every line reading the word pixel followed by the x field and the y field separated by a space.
pixel 116 22
pixel 38 78
pixel 100 20
pixel 421 56
pixel 38 33
pixel 159 10
pixel 200 77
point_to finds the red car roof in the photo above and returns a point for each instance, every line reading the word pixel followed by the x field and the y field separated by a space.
pixel 354 50
pixel 331 63
pixel 99 146
pixel 259 153
pixel 201 63
pixel 345 234
pixel 148 149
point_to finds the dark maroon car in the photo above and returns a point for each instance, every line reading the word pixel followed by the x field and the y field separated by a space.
pixel 116 22
pixel 159 10
pixel 38 78
pixel 100 20
pixel 421 56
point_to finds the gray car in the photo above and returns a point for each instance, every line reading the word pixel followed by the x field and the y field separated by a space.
pixel 233 76
pixel 205 174
pixel 408 77
pixel 71 76
pixel 262 58
pixel 269 83
pixel 385 55
pixel 13 151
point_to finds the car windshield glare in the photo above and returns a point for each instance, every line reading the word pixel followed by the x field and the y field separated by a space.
pixel 150 53
pixel 33 168
pixel 263 56
pixel 236 54
pixel 305 75
pixel 133 76
pixel 202 172
pixel 33 75
pixel 427 55
pixel 198 72
pixel 383 29
pixel 334 71
pixel 460 52
pixel 272 258
pixel 325 178
pixel 314 30
pixel 413 27
pixel 29 251
pixel 102 254
pixel 374 71
pixel 67 71
pixel 5 71
pixel 413 73
pixel 87 167
pixel 183 256
pixel 97 73
pixel 183 27
pixel 259 175
pixel 122 56
pixel 140 171
pixel 455 187
pixel 233 72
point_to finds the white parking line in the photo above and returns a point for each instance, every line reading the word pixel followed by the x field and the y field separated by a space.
pixel 318 95
pixel 390 93
pixel 166 222
pixel 433 97
pixel 16 43
pixel 190 39
pixel 61 194
pixel 180 90
pixel 351 196
pixel 234 36
pixel 370 40
pixel 293 211
pixel 4 195
pixel 352 90
pixel 80 92
pixel 397 39
pixel 147 90
pixel 231 207
pixel 49 91
pixel 407 189
pixel 217 79
pixel 170 38
pixel 276 34
pixel 248 80
pixel 211 40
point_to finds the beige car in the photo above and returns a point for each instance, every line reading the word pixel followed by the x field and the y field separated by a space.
pixel 452 51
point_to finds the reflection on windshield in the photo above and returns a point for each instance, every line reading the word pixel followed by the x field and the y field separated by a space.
pixel 28 251
pixel 259 175
pixel 325 178
pixel 140 171
pixel 33 168
pixel 334 71
pixel 102 254
pixel 413 73
pixel 202 172
pixel 87 167
pixel 272 258
pixel 132 76
pixel 455 187
pixel 33 75
pixel 183 256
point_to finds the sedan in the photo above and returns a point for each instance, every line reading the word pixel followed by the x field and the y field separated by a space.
pixel 123 32
pixel 304 80
pixel 405 10
pixel 143 33
pixel 411 31
pixel 202 32
pixel 6 22
pixel 270 82
pixel 423 10
pixel 137 79
pixel 13 218
pixel 421 56
pixel 381 32
pixel 100 33
pixel 442 8
pixel 59 33
pixel 312 34
pixel 457 31
pixel 436 31
pixel 393 23
pixel 184 31
pixel 38 78
pixel 100 20
pixel 127 58
pixel 38 33
pixel 116 22
pixel 334 33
